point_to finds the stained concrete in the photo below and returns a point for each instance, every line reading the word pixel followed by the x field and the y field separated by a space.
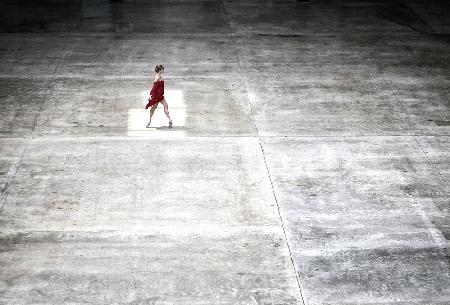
pixel 308 163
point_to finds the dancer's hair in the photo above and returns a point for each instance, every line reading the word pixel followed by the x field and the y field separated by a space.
pixel 159 68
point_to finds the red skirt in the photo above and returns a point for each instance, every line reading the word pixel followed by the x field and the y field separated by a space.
pixel 153 102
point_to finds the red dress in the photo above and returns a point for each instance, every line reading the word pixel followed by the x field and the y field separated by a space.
pixel 156 94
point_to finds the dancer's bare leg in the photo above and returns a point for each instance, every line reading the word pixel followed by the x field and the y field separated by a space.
pixel 166 111
pixel 152 110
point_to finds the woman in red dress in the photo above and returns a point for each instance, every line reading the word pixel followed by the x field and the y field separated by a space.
pixel 157 96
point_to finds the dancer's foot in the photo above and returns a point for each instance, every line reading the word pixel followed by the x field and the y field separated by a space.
pixel 148 125
pixel 170 124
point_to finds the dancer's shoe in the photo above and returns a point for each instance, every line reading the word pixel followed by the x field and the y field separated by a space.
pixel 148 125
pixel 170 124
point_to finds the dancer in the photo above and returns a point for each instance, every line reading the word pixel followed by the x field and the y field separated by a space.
pixel 157 96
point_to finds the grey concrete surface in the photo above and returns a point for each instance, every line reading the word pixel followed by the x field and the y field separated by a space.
pixel 308 163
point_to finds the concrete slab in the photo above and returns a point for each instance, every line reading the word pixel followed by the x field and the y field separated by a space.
pixel 167 267
pixel 286 17
pixel 153 17
pixel 114 16
pixel 106 56
pixel 150 178
pixel 365 218
pixel 324 112
pixel 387 50
pixel 126 203
pixel 107 48
pixel 374 16
pixel 198 107
pixel 322 17
pixel 38 16
pixel 368 84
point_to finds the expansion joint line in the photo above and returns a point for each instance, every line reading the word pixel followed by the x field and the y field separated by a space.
pixel 431 161
pixel 264 156
pixel 12 176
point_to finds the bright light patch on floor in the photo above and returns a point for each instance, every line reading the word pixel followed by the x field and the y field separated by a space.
pixel 138 117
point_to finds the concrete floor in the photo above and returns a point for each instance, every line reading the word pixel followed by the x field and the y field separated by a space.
pixel 309 163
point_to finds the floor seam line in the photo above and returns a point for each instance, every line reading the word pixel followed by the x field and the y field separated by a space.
pixel 299 286
pixel 432 163
pixel 13 176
